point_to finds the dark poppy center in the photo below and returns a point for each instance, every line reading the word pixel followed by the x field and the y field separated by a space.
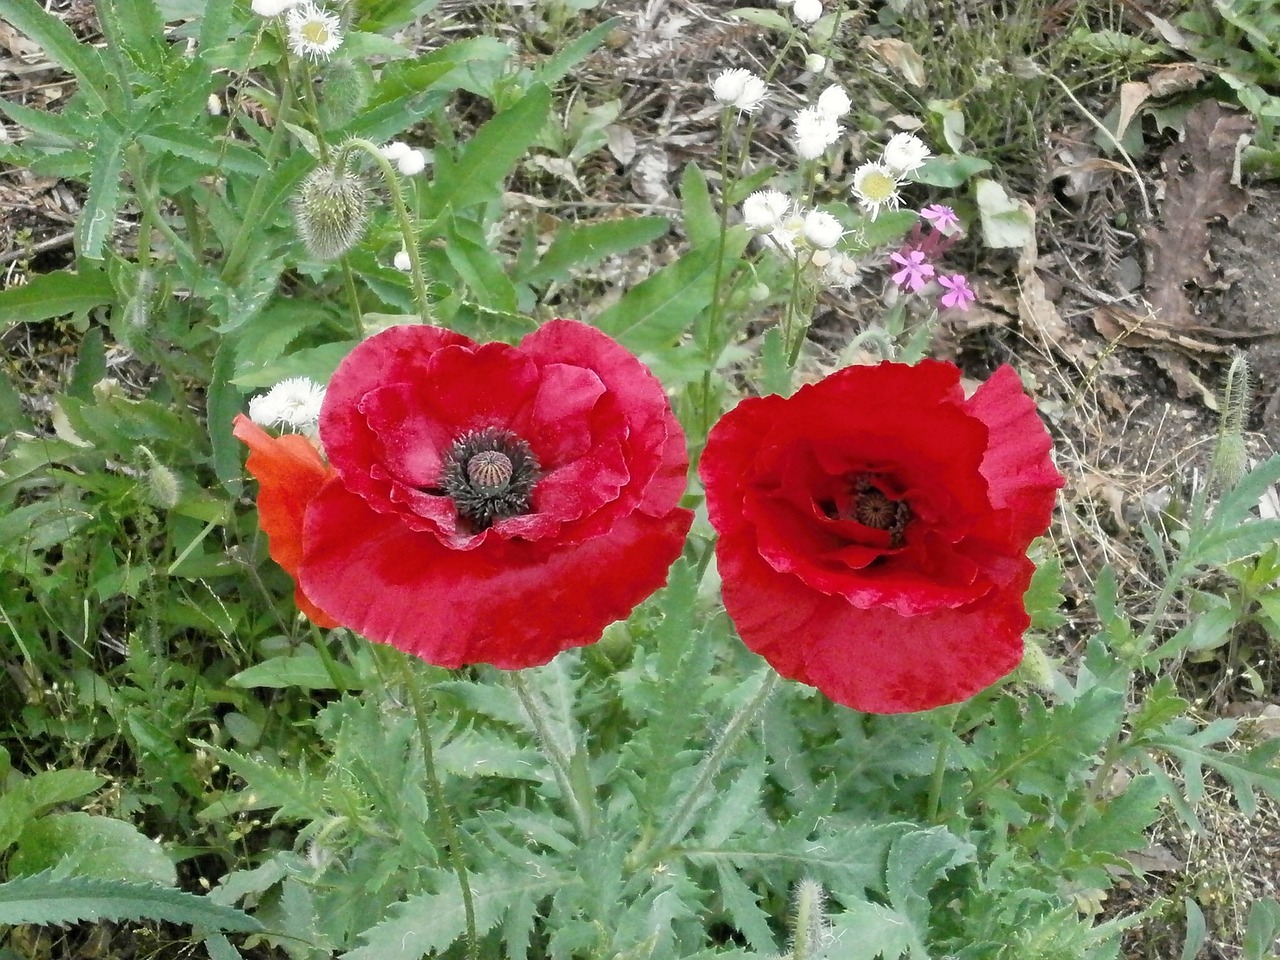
pixel 490 474
pixel 868 504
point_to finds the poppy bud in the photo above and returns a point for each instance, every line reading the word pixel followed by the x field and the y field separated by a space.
pixel 1230 458
pixel 347 86
pixel 331 210
pixel 164 488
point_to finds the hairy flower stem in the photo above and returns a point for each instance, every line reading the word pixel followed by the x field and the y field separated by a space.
pixel 251 218
pixel 716 309
pixel 580 801
pixel 408 235
pixel 940 764
pixel 739 723
pixel 444 817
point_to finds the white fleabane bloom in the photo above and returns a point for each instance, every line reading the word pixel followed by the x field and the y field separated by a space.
pixel 876 187
pixel 740 89
pixel 807 11
pixel 786 236
pixel 293 403
pixel 904 153
pixel 313 31
pixel 412 163
pixel 271 8
pixel 812 132
pixel 822 229
pixel 764 210
pixel 834 102
pixel 402 261
pixel 394 150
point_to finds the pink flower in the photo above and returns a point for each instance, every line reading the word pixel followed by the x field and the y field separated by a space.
pixel 958 293
pixel 916 270
pixel 941 216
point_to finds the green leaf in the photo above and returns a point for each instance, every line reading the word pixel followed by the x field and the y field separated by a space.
pixel 430 922
pixel 98 217
pixel 195 145
pixel 574 52
pixel 1261 930
pixel 583 244
pixel 701 221
pixel 655 312
pixel 743 907
pixel 54 295
pixel 949 171
pixel 1197 932
pixel 302 670
pixel 867 931
pixel 489 157
pixel 46 899
pixel 1006 222
pixel 222 404
pixel 89 846
pixel 1043 598
pixel 60 45
pixel 52 787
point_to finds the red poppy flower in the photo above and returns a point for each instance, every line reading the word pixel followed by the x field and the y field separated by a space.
pixel 874 528
pixel 485 503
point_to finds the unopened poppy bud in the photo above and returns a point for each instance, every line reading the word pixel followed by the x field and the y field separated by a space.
pixel 1231 459
pixel 331 210
pixel 809 936
pixel 1036 669
pixel 164 489
pixel 347 87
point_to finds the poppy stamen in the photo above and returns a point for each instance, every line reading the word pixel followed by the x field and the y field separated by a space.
pixel 490 474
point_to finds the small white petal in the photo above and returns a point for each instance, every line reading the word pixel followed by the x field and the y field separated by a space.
pixel 412 163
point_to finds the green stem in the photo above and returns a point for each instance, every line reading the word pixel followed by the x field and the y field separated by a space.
pixel 444 817
pixel 349 281
pixel 940 767
pixel 251 218
pixel 716 308
pixel 408 235
pixel 561 765
pixel 326 657
pixel 678 825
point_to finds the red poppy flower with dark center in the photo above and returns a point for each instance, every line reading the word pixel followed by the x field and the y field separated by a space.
pixel 874 528
pixel 483 503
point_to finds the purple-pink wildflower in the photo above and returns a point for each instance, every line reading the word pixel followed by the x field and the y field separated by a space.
pixel 959 293
pixel 916 270
pixel 941 216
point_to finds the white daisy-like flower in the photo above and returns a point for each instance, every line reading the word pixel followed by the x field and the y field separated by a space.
pixel 740 89
pixel 822 230
pixel 904 153
pixel 807 11
pixel 394 150
pixel 412 163
pixel 313 31
pixel 834 102
pixel 876 187
pixel 812 132
pixel 786 236
pixel 293 403
pixel 402 261
pixel 765 210
pixel 272 8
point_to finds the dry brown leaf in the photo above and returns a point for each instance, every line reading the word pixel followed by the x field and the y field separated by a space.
pixel 1170 78
pixel 900 56
pixel 1102 489
pixel 1132 96
pixel 1199 190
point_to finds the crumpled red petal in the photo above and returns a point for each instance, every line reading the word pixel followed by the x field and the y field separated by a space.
pixel 512 605
pixel 289 471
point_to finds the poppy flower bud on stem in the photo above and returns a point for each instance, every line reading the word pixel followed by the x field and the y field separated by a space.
pixel 332 209
pixel 809 935
pixel 1230 458
pixel 407 231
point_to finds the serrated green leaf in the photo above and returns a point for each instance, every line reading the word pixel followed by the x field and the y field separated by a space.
pixel 98 217
pixel 200 147
pixel 584 244
pixel 478 753
pixel 871 931
pixel 52 787
pixel 50 295
pixel 1043 598
pixel 430 922
pixel 46 899
pixel 743 908
pixel 490 156
pixel 88 846
pixel 1261 930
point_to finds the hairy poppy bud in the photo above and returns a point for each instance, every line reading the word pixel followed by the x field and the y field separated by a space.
pixel 331 210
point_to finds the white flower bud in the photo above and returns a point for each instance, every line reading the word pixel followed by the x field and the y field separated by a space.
pixel 740 89
pixel 815 63
pixel 394 150
pixel 412 163
pixel 904 153
pixel 822 229
pixel 765 210
pixel 834 102
pixel 807 11
pixel 402 261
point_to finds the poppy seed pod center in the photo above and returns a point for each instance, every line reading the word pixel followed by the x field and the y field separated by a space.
pixel 490 474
